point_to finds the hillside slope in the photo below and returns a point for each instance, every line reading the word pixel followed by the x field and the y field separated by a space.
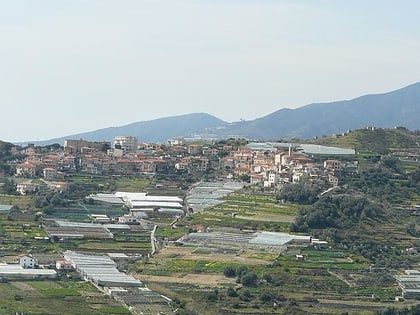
pixel 377 140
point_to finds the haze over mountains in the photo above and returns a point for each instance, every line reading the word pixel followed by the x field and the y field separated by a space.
pixel 397 108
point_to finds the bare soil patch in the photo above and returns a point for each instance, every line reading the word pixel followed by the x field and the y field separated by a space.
pixel 269 217
pixel 193 279
pixel 22 286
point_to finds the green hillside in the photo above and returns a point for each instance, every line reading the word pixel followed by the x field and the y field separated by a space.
pixel 5 146
pixel 375 140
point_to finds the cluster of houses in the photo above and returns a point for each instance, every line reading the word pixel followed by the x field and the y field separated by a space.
pixel 266 163
pixel 275 163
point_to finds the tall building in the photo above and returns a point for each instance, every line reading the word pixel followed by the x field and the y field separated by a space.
pixel 125 143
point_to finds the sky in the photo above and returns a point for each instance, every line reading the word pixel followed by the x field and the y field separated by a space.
pixel 73 66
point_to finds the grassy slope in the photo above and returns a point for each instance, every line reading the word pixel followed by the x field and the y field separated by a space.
pixel 376 141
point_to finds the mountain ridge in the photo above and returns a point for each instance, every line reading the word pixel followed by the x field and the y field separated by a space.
pixel 317 119
pixel 155 130
pixel 400 107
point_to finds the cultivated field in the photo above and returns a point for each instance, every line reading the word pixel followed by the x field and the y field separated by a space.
pixel 55 297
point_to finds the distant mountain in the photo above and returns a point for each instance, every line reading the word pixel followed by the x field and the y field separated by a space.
pixel 397 108
pixel 156 130
pixel 387 110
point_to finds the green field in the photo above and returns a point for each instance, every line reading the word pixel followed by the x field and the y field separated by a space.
pixel 258 208
pixel 248 211
pixel 55 297
pixel 143 247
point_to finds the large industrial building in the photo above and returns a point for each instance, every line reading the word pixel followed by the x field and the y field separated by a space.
pixel 142 204
pixel 101 270
pixel 409 284
pixel 16 271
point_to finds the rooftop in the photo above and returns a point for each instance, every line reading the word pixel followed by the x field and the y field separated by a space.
pixel 305 148
pixel 101 269
pixel 17 270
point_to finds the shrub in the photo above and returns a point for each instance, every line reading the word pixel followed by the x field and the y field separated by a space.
pixel 241 270
pixel 265 297
pixel 249 279
pixel 231 292
pixel 246 296
pixel 229 271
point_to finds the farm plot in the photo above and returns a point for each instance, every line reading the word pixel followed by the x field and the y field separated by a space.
pixel 49 297
pixel 255 207
pixel 19 235
pixel 68 229
pixel 190 253
pixel 186 265
pixel 113 246
pixel 325 259
pixel 205 280
pixel 145 301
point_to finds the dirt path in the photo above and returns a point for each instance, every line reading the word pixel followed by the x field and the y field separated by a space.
pixel 340 277
pixel 22 286
pixel 269 217
pixel 194 279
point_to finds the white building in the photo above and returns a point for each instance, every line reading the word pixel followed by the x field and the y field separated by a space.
pixel 25 187
pixel 13 271
pixel 63 265
pixel 27 262
pixel 128 219
pixel 296 177
pixel 125 143
pixel 273 178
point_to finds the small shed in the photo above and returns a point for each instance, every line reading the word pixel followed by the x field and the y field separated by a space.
pixel 300 257
pixel 317 244
pixel 100 218
pixel 63 265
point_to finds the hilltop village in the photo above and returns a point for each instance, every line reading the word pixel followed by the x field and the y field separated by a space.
pixel 268 164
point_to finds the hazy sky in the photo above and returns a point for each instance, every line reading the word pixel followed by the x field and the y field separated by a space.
pixel 70 66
